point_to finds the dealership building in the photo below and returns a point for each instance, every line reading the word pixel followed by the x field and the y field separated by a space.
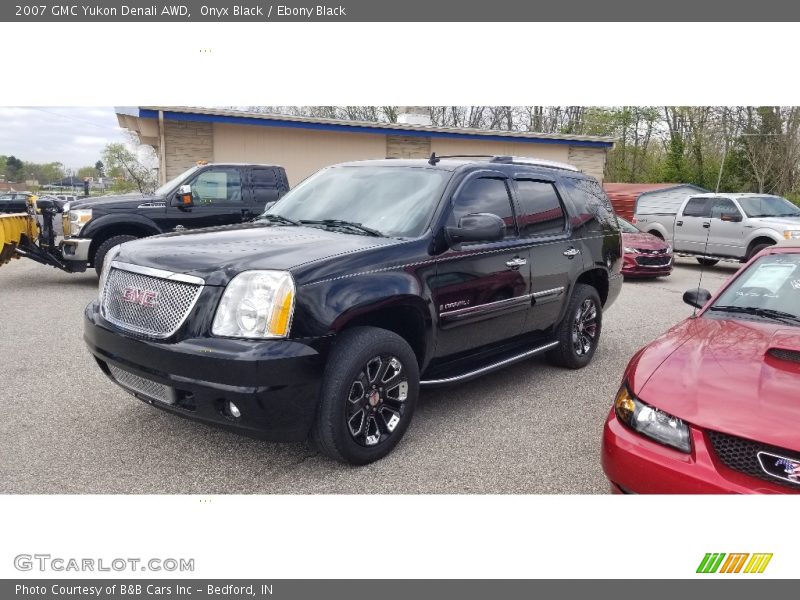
pixel 181 136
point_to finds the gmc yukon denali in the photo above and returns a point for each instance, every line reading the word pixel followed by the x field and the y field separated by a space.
pixel 324 316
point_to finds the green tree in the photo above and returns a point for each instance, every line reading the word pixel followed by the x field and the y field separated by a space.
pixel 85 172
pixel 121 162
pixel 100 169
pixel 14 169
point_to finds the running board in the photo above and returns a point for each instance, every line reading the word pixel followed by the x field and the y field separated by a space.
pixel 709 257
pixel 488 368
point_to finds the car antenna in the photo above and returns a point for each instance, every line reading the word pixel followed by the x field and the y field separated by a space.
pixel 433 160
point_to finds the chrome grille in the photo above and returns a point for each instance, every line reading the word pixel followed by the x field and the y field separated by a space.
pixel 148 302
pixel 140 385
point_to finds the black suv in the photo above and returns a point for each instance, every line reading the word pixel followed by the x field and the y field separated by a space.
pixel 325 315
pixel 203 196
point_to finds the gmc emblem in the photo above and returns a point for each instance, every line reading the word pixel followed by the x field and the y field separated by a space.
pixel 146 298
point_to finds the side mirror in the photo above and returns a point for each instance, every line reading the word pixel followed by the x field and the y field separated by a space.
pixel 183 197
pixel 697 297
pixel 476 227
pixel 731 217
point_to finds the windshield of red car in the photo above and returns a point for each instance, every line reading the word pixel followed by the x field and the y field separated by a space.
pixel 626 226
pixel 771 283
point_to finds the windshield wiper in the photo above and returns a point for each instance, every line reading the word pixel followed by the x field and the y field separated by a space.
pixel 344 225
pixel 277 219
pixel 777 315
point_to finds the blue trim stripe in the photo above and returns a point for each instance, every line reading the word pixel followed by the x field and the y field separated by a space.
pixel 273 122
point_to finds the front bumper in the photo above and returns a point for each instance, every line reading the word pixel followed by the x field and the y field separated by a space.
pixel 275 383
pixel 76 249
pixel 632 268
pixel 636 464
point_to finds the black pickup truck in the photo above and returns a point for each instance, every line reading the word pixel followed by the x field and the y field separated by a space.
pixel 325 315
pixel 222 194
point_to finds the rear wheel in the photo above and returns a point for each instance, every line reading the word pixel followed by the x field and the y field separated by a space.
pixel 369 392
pixel 100 255
pixel 579 332
pixel 707 262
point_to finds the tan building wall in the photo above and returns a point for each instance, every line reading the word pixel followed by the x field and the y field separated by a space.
pixel 301 152
pixel 187 142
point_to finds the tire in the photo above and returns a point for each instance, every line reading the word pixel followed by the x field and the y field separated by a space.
pixel 577 328
pixel 100 255
pixel 755 250
pixel 355 418
pixel 707 262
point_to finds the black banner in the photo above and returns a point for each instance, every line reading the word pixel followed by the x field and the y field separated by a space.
pixel 406 11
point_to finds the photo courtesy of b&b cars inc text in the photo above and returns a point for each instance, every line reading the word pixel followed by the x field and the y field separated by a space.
pixel 400 299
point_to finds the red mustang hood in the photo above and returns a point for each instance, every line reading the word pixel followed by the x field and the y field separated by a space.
pixel 718 374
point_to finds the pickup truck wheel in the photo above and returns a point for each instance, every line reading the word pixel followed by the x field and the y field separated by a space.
pixel 369 392
pixel 756 249
pixel 707 262
pixel 579 331
pixel 100 255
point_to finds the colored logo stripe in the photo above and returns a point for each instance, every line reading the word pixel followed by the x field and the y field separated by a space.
pixel 713 562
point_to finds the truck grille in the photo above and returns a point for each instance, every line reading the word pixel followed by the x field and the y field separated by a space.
pixel 151 305
pixel 741 455
pixel 140 385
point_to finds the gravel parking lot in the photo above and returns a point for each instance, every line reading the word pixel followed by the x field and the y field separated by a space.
pixel 531 428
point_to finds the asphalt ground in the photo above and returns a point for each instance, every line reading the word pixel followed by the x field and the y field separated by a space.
pixel 530 428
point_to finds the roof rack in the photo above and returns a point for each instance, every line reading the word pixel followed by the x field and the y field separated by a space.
pixel 510 160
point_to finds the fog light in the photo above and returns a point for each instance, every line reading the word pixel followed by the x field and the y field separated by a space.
pixel 233 410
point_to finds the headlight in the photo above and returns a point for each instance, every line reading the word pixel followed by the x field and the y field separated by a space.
pixel 631 250
pixel 669 249
pixel 651 422
pixel 110 255
pixel 256 304
pixel 77 219
pixel 792 234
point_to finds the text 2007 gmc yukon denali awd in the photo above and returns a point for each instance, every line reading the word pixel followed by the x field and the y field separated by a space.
pixel 324 316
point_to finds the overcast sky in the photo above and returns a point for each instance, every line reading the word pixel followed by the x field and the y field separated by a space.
pixel 74 136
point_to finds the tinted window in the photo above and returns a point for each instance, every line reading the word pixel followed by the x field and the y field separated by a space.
pixel 541 209
pixel 217 186
pixel 485 195
pixel 594 211
pixel 265 185
pixel 697 207
pixel 722 206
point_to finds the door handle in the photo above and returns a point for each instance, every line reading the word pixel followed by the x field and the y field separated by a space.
pixel 707 224
pixel 571 253
pixel 516 263
pixel 679 224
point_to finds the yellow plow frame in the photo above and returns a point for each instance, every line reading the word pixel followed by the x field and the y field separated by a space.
pixel 13 230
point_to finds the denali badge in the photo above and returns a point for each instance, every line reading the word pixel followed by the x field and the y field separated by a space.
pixel 146 298
pixel 780 466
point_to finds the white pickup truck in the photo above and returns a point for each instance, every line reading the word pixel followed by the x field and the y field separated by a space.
pixel 714 227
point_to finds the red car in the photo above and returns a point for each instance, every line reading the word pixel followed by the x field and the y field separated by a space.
pixel 645 255
pixel 713 405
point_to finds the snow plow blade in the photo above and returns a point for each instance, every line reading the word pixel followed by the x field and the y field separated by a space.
pixel 16 230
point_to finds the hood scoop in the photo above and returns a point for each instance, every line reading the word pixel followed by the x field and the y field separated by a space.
pixel 785 354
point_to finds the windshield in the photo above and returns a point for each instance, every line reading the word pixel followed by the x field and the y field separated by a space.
pixel 627 227
pixel 771 283
pixel 165 189
pixel 395 201
pixel 768 206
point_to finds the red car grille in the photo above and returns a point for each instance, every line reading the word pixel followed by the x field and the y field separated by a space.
pixel 653 261
pixel 741 455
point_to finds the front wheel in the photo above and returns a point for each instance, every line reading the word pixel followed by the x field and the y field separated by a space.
pixel 579 331
pixel 707 262
pixel 100 255
pixel 755 250
pixel 369 392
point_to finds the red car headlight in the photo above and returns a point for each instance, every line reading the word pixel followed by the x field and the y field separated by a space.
pixel 651 422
